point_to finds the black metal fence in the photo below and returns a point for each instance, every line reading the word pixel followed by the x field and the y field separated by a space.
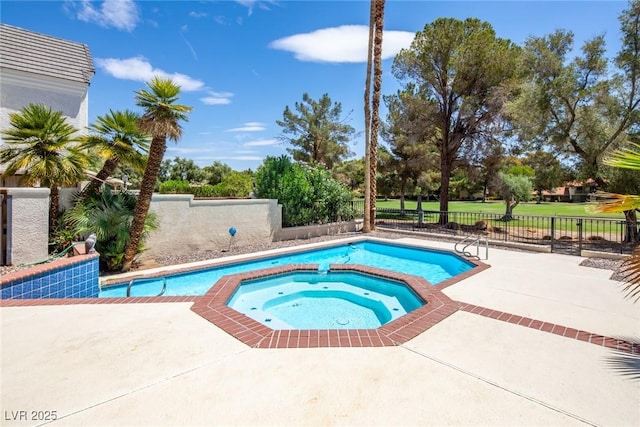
pixel 563 233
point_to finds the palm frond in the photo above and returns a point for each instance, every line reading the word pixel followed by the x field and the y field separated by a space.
pixel 615 203
pixel 627 157
pixel 630 272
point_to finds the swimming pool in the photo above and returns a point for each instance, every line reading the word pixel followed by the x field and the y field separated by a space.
pixel 432 265
pixel 324 300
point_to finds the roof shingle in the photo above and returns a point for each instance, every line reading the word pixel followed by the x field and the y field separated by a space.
pixel 30 52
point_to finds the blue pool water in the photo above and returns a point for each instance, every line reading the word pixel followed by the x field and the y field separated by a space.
pixel 434 266
pixel 321 300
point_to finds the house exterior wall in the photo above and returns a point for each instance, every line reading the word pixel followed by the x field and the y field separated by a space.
pixel 19 89
pixel 28 224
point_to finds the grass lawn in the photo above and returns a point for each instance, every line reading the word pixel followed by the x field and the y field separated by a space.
pixel 497 207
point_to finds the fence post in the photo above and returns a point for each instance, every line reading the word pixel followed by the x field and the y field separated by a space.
pixel 553 232
pixel 579 224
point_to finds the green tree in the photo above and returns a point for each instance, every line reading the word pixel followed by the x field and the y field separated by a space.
pixel 581 106
pixel 351 173
pixel 186 170
pixel 549 172
pixel 514 190
pixel 317 132
pixel 466 73
pixel 42 146
pixel 215 173
pixel 117 139
pixel 235 184
pixel 161 119
pixel 409 134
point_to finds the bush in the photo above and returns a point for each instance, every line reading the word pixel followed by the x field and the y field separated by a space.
pixel 308 194
pixel 175 187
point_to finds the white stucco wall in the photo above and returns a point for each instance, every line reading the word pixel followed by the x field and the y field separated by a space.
pixel 28 228
pixel 196 225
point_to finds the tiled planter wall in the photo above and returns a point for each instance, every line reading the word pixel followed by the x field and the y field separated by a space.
pixel 75 277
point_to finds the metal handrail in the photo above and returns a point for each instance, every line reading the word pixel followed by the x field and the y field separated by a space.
pixel 164 284
pixel 476 241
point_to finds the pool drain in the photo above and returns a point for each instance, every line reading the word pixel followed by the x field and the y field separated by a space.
pixel 342 322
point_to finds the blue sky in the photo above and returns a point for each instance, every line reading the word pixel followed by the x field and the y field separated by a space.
pixel 240 63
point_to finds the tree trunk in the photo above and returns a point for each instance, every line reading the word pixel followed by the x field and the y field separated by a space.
pixel 93 186
pixel 631 234
pixel 402 203
pixel 508 215
pixel 375 105
pixel 54 207
pixel 366 225
pixel 445 176
pixel 151 172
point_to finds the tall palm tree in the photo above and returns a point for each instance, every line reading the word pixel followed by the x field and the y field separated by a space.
pixel 372 115
pixel 366 224
pixel 627 157
pixel 375 105
pixel 117 138
pixel 41 144
pixel 161 120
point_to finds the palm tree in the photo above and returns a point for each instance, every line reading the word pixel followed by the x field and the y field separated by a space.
pixel 627 157
pixel 40 143
pixel 375 105
pixel 161 120
pixel 117 138
pixel 372 116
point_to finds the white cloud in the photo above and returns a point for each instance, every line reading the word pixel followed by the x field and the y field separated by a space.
pixel 139 69
pixel 251 4
pixel 217 98
pixel 249 127
pixel 120 14
pixel 194 14
pixel 262 142
pixel 346 43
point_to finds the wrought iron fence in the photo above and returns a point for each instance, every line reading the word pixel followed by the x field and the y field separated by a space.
pixel 562 233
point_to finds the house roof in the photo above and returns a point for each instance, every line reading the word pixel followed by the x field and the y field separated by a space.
pixel 36 53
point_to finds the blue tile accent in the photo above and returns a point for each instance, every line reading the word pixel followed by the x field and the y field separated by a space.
pixel 73 281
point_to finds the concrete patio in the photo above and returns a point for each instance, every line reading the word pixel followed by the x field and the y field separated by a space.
pixel 162 364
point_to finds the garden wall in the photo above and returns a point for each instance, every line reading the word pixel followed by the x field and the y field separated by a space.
pixel 187 224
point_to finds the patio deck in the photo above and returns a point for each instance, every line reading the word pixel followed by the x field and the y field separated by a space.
pixel 162 364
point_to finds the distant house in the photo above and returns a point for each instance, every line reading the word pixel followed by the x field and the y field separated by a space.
pixel 572 192
pixel 37 68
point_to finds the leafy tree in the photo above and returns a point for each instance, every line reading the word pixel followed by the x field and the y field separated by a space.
pixel 308 193
pixel 41 145
pixel 161 120
pixel 117 139
pixel 235 184
pixel 109 216
pixel 351 173
pixel 580 106
pixel 215 173
pixel 464 71
pixel 408 133
pixel 185 169
pixel 549 172
pixel 515 189
pixel 317 132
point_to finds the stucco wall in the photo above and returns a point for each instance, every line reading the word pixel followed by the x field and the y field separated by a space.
pixel 196 225
pixel 27 232
pixel 18 90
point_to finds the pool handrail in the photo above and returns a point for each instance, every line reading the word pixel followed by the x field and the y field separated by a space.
pixel 164 284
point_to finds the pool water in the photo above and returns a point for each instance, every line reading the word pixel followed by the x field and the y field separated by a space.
pixel 432 265
pixel 324 300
